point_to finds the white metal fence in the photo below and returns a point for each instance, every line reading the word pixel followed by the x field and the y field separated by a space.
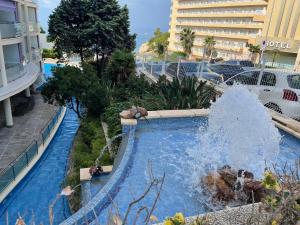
pixel 277 88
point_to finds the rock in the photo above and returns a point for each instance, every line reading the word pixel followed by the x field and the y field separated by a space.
pixel 134 113
pixel 220 190
pixel 259 192
pixel 126 114
pixel 228 175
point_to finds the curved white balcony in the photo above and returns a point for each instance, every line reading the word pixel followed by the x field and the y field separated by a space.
pixel 19 78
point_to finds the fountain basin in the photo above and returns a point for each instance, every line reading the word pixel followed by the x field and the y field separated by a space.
pixel 165 142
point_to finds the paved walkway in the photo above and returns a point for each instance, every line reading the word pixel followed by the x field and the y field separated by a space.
pixel 26 129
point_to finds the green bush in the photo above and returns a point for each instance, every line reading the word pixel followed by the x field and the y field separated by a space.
pixel 86 149
pixel 50 53
pixel 186 93
pixel 120 67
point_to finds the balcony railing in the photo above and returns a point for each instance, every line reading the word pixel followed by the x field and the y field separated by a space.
pixel 36 55
pixel 10 173
pixel 33 27
pixel 14 71
pixel 11 30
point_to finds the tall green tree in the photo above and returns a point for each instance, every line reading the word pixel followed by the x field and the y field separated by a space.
pixel 68 26
pixel 209 46
pixel 187 38
pixel 159 42
pixel 108 29
pixel 80 90
pixel 91 26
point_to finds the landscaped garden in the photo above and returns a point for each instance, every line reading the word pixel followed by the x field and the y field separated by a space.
pixel 169 164
pixel 102 89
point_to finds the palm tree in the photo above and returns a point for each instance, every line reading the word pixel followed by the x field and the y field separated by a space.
pixel 209 45
pixel 254 49
pixel 187 38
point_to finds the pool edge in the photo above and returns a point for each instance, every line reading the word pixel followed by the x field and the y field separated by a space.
pixel 42 148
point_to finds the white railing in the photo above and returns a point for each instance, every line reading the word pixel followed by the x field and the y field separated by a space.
pixel 11 30
pixel 36 55
pixel 14 71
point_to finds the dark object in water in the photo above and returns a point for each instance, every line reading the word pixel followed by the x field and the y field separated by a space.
pixel 96 171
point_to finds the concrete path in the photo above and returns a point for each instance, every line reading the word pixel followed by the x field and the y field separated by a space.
pixel 26 129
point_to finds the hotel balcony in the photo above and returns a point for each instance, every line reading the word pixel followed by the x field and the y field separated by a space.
pixel 197 5
pixel 14 71
pixel 11 30
pixel 256 17
pixel 19 78
pixel 223 25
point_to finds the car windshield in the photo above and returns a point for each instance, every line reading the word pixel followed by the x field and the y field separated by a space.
pixel 246 63
pixel 294 81
pixel 226 70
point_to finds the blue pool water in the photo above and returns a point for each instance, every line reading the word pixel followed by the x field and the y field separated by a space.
pixel 48 69
pixel 38 189
pixel 165 143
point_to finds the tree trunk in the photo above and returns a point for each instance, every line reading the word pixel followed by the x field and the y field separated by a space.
pixel 97 62
pixel 81 55
pixel 101 64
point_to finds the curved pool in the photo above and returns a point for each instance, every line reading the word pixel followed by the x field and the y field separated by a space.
pixel 32 197
pixel 167 143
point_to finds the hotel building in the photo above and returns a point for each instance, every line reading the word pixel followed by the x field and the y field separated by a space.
pixel 20 55
pixel 282 34
pixel 233 23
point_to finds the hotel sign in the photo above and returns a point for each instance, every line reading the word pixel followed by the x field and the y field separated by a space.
pixel 278 44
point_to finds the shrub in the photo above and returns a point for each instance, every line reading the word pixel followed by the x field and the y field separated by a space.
pixel 50 53
pixel 86 149
pixel 120 66
pixel 187 93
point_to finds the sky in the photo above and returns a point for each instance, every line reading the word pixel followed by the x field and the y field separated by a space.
pixel 145 16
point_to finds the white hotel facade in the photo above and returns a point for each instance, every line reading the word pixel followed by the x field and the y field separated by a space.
pixel 20 55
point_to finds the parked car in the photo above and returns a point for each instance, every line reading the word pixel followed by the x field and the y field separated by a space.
pixel 278 90
pixel 226 70
pixel 246 64
pixel 194 69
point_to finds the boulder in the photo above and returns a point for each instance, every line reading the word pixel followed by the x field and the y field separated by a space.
pixel 228 175
pixel 134 113
pixel 255 187
pixel 220 190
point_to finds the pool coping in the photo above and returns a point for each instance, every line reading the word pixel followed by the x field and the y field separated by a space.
pixel 232 215
pixel 289 125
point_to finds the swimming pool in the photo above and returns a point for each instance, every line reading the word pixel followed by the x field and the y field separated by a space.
pixel 33 195
pixel 48 69
pixel 166 143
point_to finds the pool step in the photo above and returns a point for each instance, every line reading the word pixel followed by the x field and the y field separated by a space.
pixel 86 176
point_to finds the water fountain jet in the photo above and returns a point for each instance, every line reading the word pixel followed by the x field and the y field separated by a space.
pixel 240 134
